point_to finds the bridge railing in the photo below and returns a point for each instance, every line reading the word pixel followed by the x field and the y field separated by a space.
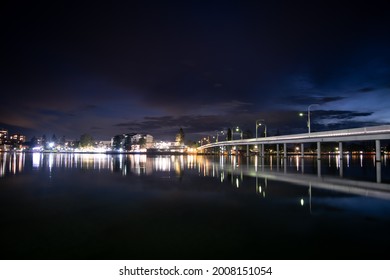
pixel 383 129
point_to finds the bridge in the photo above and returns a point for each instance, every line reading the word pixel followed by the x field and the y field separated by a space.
pixel 373 133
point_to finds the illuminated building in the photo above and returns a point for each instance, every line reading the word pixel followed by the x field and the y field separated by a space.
pixel 17 138
pixel 135 139
pixel 3 136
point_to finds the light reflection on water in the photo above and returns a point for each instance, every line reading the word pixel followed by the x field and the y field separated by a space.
pixel 112 206
pixel 360 167
pixel 232 169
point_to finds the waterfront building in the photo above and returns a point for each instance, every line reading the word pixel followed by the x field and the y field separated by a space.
pixel 4 141
pixel 131 142
pixel 17 138
pixel 148 139
pixel 122 142
pixel 9 142
pixel 3 136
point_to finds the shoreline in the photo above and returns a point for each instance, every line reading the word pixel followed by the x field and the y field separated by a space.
pixel 190 153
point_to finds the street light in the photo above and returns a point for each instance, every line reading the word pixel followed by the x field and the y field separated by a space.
pixel 308 115
pixel 216 140
pixel 260 123
pixel 238 130
pixel 204 140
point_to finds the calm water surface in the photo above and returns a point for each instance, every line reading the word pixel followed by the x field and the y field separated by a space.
pixel 95 206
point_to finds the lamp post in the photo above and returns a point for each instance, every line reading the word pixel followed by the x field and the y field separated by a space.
pixel 308 115
pixel 260 123
pixel 217 131
pixel 204 140
pixel 238 130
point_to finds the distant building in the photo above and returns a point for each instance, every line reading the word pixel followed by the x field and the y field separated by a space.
pixel 147 141
pixel 163 146
pixel 122 142
pixel 117 142
pixel 17 138
pixel 3 136
pixel 103 144
pixel 12 141
pixel 131 141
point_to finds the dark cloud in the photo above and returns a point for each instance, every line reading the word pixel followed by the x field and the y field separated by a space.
pixel 72 68
pixel 307 99
pixel 324 100
pixel 366 89
pixel 333 114
pixel 344 125
pixel 170 124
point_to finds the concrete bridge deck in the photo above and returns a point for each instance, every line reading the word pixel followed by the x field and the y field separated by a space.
pixel 373 133
pixel 345 135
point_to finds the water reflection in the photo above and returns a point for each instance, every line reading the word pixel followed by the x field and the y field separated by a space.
pixel 12 163
pixel 127 202
pixel 140 164
pixel 232 168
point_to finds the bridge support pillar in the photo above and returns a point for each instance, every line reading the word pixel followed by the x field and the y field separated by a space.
pixel 302 150
pixel 378 161
pixel 262 150
pixel 318 150
pixel 341 150
pixel 277 150
pixel 285 157
pixel 319 159
pixel 247 150
pixel 377 150
pixel 341 159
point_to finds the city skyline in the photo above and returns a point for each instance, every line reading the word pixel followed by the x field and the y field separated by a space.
pixel 155 68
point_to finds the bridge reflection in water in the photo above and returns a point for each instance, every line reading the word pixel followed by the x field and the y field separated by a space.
pixel 327 173
pixel 113 206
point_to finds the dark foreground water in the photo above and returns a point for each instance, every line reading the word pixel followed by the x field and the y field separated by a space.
pixel 84 206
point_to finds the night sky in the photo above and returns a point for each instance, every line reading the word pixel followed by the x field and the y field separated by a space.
pixel 153 67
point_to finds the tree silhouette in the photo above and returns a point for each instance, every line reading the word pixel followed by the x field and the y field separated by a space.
pixel 86 140
pixel 180 136
pixel 229 134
